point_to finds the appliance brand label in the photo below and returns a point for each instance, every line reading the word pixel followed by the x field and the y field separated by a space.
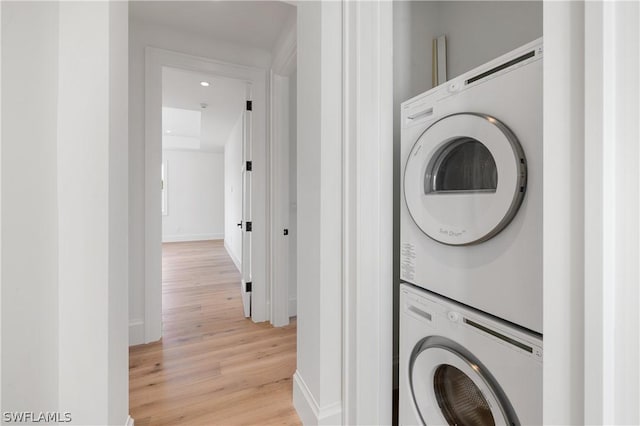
pixel 408 262
pixel 451 232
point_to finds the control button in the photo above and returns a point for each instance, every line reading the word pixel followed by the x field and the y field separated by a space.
pixel 453 316
pixel 453 87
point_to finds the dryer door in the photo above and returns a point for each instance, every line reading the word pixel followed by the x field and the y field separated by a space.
pixel 450 386
pixel 465 179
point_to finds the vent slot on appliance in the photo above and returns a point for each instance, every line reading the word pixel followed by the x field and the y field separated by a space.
pixel 499 335
pixel 501 67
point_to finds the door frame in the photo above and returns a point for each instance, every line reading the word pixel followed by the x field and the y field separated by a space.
pixel 367 216
pixel 155 60
pixel 285 64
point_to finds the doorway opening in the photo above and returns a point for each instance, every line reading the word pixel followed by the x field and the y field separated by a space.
pixel 206 186
pixel 208 309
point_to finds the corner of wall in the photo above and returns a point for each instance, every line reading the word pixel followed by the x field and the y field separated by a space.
pixel 307 407
pixel 293 307
pixel 136 332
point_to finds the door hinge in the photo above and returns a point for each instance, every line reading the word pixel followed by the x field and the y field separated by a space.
pixel 249 105
pixel 247 287
pixel 248 227
pixel 249 166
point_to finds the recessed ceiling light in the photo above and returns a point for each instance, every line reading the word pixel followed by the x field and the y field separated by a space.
pixel 204 83
pixel 168 131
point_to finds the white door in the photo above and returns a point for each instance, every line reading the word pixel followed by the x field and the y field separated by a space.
pixel 246 224
pixel 280 258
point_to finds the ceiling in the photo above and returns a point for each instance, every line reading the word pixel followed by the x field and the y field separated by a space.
pixel 248 23
pixel 182 96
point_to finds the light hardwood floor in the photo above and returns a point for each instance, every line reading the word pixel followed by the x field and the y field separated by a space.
pixel 212 366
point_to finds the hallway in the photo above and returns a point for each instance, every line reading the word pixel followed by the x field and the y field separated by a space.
pixel 213 366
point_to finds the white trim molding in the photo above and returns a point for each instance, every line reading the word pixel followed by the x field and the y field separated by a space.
pixel 367 212
pixel 591 213
pixel 284 58
pixel 612 213
pixel 563 212
pixel 130 421
pixel 308 409
pixel 191 237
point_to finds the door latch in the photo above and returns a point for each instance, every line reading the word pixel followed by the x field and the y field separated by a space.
pixel 286 232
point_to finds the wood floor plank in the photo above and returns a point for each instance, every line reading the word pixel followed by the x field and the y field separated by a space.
pixel 212 366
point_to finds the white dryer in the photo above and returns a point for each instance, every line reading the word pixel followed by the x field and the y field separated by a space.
pixel 461 367
pixel 471 218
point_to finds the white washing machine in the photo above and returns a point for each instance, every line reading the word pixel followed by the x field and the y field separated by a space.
pixel 471 218
pixel 461 367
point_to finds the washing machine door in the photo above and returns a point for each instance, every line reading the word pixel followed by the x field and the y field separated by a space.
pixel 465 179
pixel 450 386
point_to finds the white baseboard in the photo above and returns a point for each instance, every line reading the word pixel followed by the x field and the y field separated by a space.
pixel 236 261
pixel 191 237
pixel 293 307
pixel 129 421
pixel 136 332
pixel 307 407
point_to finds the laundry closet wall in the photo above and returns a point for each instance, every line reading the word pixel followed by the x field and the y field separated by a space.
pixel 476 32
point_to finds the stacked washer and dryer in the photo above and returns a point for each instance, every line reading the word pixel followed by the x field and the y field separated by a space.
pixel 471 247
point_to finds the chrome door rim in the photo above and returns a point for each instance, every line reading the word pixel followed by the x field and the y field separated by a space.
pixel 517 192
pixel 481 377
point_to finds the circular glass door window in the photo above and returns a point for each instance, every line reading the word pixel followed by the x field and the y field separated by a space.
pixel 462 165
pixel 459 399
pixel 465 179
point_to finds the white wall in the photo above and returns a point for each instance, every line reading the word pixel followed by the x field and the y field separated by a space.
pixel 564 216
pixel 118 376
pixel 195 196
pixel 29 207
pixel 293 191
pixel 233 193
pixel 476 31
pixel 317 393
pixel 64 197
pixel 140 36
pixel 92 195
